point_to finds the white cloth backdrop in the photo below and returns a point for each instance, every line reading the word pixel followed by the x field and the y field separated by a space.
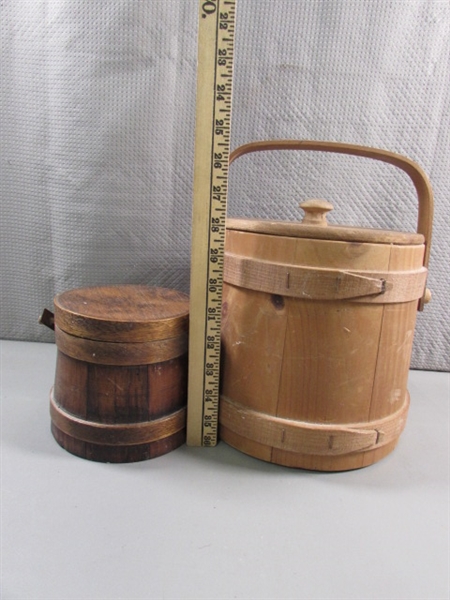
pixel 98 111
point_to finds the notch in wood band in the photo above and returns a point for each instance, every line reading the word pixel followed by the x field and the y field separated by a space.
pixel 310 283
pixel 311 438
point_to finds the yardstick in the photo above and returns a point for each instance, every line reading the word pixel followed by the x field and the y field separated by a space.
pixel 212 149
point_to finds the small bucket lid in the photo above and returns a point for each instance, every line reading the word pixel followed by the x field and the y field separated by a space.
pixel 122 313
pixel 315 226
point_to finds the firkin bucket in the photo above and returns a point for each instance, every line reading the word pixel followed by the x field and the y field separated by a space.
pixel 317 329
pixel 120 383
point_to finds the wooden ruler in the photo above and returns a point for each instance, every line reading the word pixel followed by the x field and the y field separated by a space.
pixel 212 149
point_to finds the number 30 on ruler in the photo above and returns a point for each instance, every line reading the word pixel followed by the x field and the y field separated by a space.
pixel 212 149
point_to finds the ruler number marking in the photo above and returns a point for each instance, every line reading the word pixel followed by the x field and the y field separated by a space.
pixel 219 161
pixel 222 14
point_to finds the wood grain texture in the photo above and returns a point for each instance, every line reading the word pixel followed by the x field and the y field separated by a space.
pixel 121 353
pixel 122 313
pixel 332 232
pixel 167 383
pixel 71 377
pixel 120 401
pixel 324 284
pixel 102 433
pixel 411 168
pixel 329 363
pixel 318 439
pixel 118 454
pixel 96 408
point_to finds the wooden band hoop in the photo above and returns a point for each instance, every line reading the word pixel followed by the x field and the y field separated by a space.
pixel 120 353
pixel 415 172
pixel 113 434
pixel 323 284
pixel 312 438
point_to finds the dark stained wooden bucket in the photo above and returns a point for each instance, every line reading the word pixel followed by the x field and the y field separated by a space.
pixel 121 372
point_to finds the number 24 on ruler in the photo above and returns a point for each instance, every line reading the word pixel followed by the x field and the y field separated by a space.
pixel 212 148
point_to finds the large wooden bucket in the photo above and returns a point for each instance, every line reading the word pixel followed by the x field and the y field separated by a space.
pixel 120 382
pixel 317 330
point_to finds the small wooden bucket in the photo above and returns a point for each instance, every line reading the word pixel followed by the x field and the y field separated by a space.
pixel 120 382
pixel 317 330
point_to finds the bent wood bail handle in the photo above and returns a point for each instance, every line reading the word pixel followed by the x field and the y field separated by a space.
pixel 415 172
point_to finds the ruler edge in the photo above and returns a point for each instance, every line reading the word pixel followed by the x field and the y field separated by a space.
pixel 196 407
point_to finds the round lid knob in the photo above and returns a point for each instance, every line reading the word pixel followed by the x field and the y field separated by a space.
pixel 316 212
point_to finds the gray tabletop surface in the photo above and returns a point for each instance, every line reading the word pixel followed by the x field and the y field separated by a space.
pixel 212 523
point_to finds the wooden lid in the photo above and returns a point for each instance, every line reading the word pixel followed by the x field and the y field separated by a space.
pixel 332 232
pixel 315 226
pixel 122 313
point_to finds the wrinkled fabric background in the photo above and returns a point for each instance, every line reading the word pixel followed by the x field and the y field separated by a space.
pixel 98 117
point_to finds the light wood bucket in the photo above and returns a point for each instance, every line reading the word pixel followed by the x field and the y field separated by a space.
pixel 317 330
pixel 121 372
